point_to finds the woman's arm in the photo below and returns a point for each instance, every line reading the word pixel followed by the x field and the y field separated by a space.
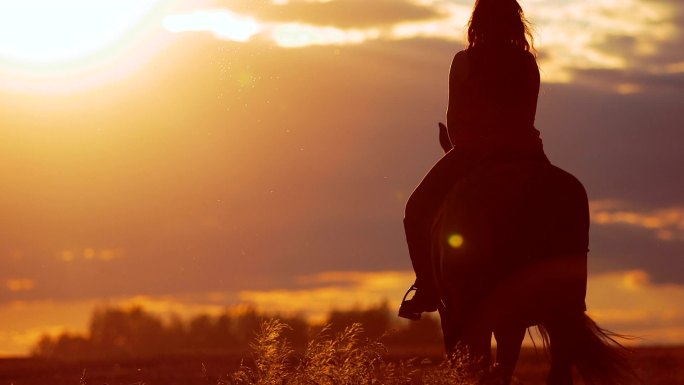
pixel 444 140
pixel 457 75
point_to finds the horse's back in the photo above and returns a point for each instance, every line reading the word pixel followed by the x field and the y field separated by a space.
pixel 521 239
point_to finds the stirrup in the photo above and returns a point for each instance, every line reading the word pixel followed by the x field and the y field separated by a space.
pixel 406 313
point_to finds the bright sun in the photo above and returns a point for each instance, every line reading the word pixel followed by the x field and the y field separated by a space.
pixel 44 37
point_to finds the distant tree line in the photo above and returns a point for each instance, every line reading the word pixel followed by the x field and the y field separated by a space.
pixel 135 332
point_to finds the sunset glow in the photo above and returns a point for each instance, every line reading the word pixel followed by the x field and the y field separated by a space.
pixel 72 44
pixel 195 156
pixel 42 32
pixel 624 300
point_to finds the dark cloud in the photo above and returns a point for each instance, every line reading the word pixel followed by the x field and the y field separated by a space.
pixel 338 13
pixel 618 44
pixel 639 80
pixel 622 247
pixel 624 147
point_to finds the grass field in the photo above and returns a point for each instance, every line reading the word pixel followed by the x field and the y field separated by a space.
pixel 343 358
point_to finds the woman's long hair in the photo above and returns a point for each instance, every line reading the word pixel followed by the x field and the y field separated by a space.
pixel 499 21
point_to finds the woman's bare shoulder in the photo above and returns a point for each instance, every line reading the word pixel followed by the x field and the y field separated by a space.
pixel 459 66
pixel 460 57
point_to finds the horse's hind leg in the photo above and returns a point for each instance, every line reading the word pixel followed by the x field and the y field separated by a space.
pixel 508 342
pixel 562 352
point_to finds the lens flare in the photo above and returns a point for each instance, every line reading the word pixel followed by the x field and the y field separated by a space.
pixel 455 241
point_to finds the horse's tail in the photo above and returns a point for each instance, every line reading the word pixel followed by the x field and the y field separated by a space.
pixel 598 356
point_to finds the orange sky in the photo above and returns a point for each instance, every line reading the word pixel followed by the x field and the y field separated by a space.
pixel 192 166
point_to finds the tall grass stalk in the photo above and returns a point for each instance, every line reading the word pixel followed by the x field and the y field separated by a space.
pixel 344 358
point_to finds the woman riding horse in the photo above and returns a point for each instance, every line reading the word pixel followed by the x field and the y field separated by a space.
pixel 497 235
pixel 493 88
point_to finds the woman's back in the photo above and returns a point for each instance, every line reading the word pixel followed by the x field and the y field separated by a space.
pixel 493 93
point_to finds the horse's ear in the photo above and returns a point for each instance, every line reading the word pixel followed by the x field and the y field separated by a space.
pixel 444 140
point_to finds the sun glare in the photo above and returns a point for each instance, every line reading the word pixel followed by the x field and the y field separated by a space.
pixel 50 39
pixel 46 31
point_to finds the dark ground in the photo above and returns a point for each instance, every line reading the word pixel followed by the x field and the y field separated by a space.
pixel 655 366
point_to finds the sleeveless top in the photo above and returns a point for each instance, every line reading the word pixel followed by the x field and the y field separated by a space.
pixel 493 98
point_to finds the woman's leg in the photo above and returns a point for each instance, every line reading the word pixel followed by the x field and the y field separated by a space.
pixel 423 207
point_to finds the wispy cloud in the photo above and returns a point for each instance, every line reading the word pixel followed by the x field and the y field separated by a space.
pixel 291 35
pixel 224 24
pixel 345 14
pixel 333 290
pixel 667 224
pixel 90 254
pixel 20 284
pixel 296 24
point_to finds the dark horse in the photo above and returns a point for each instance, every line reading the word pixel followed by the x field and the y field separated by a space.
pixel 510 252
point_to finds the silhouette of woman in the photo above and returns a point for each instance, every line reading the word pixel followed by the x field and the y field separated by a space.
pixel 493 89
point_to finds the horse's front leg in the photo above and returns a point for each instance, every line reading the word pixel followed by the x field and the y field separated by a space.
pixel 466 337
pixel 449 327
pixel 508 342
